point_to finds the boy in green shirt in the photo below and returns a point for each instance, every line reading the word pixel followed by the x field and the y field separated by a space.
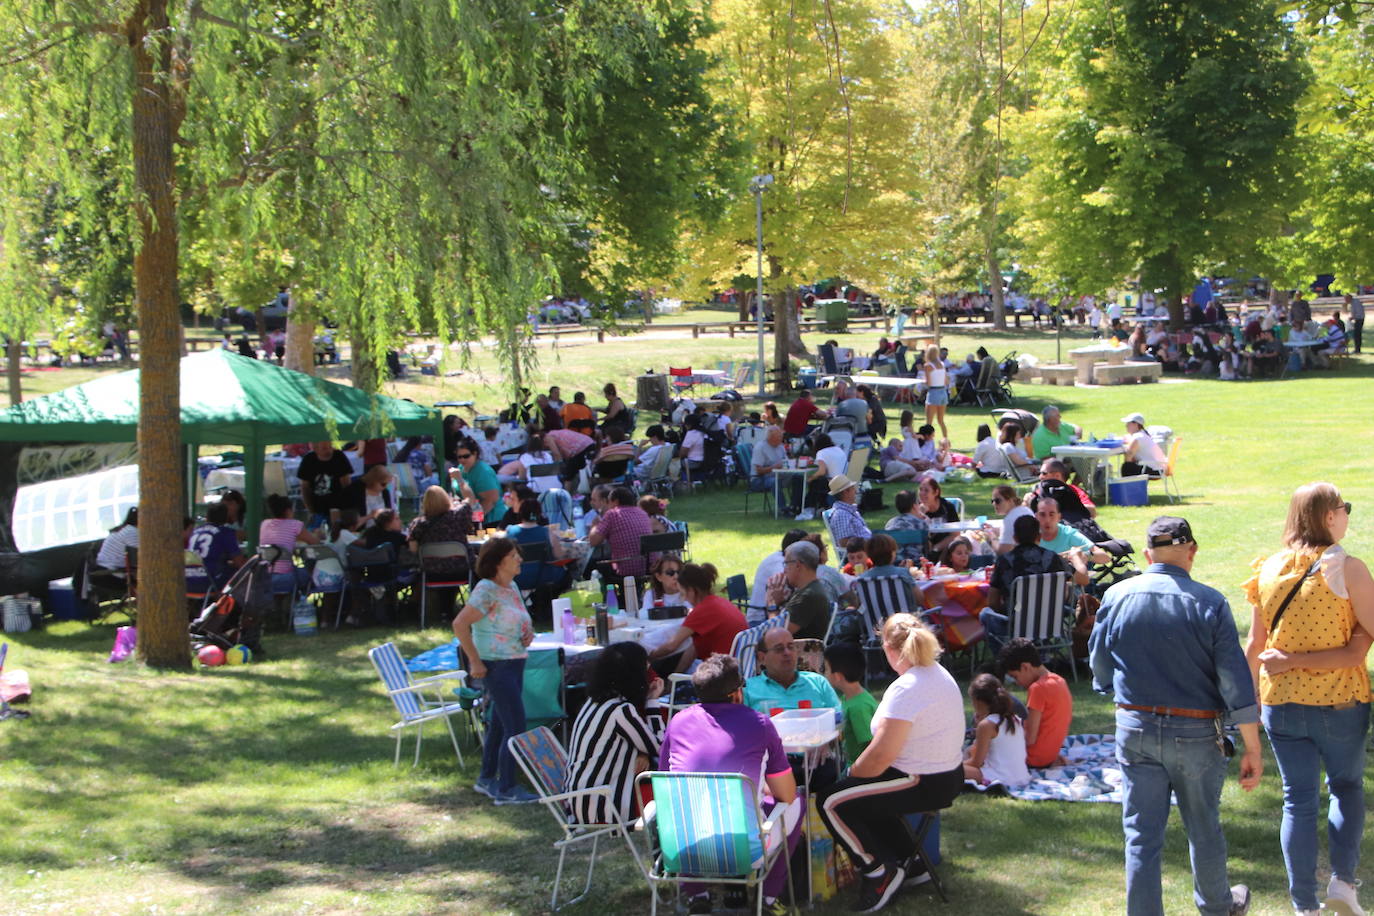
pixel 844 669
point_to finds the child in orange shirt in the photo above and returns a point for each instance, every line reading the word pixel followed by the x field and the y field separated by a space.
pixel 1049 705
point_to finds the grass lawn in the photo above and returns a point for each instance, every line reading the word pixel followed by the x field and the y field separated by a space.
pixel 270 788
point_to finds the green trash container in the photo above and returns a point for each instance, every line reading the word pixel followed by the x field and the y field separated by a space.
pixel 835 314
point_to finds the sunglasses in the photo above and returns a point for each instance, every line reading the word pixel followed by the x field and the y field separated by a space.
pixel 464 456
pixel 671 572
pixel 1347 507
pixel 997 500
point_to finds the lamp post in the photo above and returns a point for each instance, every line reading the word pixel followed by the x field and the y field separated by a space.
pixel 757 186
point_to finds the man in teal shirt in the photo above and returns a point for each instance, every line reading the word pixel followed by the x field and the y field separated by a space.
pixel 1069 543
pixel 1052 431
pixel 781 685
pixel 478 475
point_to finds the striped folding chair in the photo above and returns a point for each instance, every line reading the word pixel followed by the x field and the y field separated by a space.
pixel 743 648
pixel 409 697
pixel 1037 607
pixel 882 596
pixel 711 827
pixel 436 550
pixel 545 764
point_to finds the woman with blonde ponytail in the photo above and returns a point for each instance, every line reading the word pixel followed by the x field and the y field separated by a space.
pixel 914 764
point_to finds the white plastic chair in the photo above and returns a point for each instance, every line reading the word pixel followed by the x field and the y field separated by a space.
pixel 408 696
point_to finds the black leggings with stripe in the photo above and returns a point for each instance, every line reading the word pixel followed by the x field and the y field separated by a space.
pixel 866 815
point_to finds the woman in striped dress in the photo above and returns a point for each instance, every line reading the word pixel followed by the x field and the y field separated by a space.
pixel 612 740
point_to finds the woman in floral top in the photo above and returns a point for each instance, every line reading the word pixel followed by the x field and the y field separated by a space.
pixel 494 630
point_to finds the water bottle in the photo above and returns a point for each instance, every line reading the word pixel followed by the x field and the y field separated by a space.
pixel 569 627
pixel 612 602
pixel 579 526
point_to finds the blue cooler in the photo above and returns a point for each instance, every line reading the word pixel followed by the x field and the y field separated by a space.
pixel 63 602
pixel 807 378
pixel 1129 491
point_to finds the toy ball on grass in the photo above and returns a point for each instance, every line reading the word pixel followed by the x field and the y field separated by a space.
pixel 238 655
pixel 211 656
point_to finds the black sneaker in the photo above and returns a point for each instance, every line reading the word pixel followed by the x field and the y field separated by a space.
pixel 874 893
pixel 699 905
pixel 916 873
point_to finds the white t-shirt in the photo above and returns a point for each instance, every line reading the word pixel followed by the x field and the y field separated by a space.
pixel 546 482
pixel 834 458
pixel 694 445
pixel 1009 522
pixel 1148 453
pixel 1006 759
pixel 930 699
pixel 649 597
pixel 758 597
pixel 989 457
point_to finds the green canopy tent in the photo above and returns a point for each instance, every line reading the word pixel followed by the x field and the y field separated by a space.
pixel 226 399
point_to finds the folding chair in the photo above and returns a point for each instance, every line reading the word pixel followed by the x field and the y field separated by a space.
pixel 1037 607
pixel 858 460
pixel 744 648
pixel 439 550
pixel 737 592
pixel 957 503
pixel 659 480
pixel 1169 468
pixel 711 828
pixel 408 695
pixel 682 379
pixel 836 548
pixel 195 564
pixel 667 542
pixel 879 598
pixel 406 487
pixel 908 537
pixel 545 764
pixel 360 571
pixel 312 554
pixel 753 483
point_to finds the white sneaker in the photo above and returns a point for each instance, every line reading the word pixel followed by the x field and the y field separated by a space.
pixel 1343 898
pixel 806 515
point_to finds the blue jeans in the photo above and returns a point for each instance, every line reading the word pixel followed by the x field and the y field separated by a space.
pixel 1306 739
pixel 285 583
pixel 1159 754
pixel 503 684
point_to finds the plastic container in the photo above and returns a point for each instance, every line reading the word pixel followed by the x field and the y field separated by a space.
pixel 63 602
pixel 1129 491
pixel 799 727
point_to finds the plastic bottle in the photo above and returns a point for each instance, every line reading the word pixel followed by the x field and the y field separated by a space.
pixel 612 602
pixel 579 526
pixel 569 627
pixel 478 516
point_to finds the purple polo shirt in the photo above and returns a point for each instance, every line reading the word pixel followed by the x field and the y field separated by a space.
pixel 724 738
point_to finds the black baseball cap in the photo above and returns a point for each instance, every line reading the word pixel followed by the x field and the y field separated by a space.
pixel 1168 530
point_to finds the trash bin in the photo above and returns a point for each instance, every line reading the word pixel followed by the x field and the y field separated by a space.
pixel 834 313
pixel 651 393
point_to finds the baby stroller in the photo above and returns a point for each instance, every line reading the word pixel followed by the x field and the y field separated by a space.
pixel 234 617
pixel 1121 567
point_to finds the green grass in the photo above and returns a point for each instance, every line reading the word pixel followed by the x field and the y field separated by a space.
pixel 270 788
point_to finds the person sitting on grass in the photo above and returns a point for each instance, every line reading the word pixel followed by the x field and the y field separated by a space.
pixel 722 735
pixel 998 752
pixel 845 669
pixel 1049 705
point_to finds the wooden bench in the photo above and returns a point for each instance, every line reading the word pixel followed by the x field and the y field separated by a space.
pixel 1058 375
pixel 1127 372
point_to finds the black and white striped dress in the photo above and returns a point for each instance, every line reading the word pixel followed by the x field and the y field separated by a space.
pixel 606 737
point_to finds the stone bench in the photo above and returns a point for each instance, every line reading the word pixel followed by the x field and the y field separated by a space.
pixel 1127 372
pixel 1058 374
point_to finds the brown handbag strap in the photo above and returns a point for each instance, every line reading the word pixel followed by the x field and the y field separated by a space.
pixel 1278 615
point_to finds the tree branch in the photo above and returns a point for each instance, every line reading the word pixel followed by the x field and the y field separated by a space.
pixel 197 11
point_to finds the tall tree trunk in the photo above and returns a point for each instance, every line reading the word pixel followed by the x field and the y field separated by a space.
pixel 162 636
pixel 784 319
pixel 367 372
pixel 300 339
pixel 999 302
pixel 517 371
pixel 14 352
pixel 743 300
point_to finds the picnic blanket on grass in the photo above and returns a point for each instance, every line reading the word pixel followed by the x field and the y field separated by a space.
pixel 1091 775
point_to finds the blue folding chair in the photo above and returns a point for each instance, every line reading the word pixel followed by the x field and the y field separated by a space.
pixel 711 827
pixel 408 696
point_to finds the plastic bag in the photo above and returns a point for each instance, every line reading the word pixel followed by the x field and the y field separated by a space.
pixel 126 639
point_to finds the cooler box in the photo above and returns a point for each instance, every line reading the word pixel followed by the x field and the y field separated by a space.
pixel 807 378
pixel 1129 491
pixel 64 604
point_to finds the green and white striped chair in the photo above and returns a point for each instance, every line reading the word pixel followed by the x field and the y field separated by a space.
pixel 710 828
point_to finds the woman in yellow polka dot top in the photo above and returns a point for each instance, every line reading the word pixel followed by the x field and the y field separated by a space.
pixel 1309 663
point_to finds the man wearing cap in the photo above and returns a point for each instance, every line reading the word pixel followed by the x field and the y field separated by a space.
pixel 1052 431
pixel 808 607
pixel 1166 647
pixel 845 520
pixel 1143 454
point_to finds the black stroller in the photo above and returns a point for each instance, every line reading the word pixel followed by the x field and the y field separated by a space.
pixel 234 617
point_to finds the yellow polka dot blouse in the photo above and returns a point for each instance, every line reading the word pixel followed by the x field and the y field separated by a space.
pixel 1316 619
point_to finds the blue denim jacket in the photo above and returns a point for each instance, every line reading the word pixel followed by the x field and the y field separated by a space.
pixel 1162 639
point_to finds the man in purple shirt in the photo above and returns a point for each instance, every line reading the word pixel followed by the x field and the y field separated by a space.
pixel 622 526
pixel 721 735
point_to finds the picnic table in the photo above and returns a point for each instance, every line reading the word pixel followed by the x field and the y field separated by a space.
pixel 1085 358
pixel 1089 460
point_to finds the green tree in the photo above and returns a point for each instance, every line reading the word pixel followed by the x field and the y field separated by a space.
pixel 818 87
pixel 1163 143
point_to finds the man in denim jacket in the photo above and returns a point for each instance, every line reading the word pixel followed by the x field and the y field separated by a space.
pixel 1167 649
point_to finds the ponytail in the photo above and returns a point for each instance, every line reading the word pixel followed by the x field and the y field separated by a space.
pixel 914 641
pixel 989 691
